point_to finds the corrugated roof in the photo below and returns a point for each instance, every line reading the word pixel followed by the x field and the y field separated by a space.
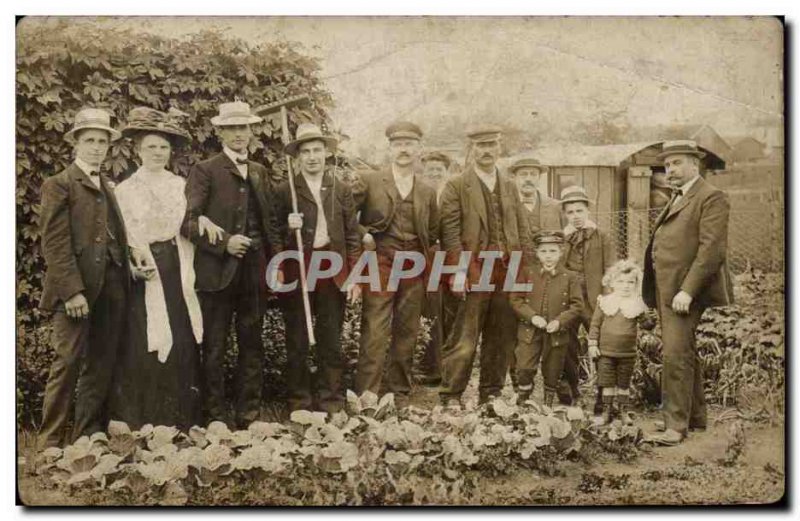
pixel 583 155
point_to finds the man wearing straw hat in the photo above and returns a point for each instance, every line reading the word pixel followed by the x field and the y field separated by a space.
pixel 332 243
pixel 86 283
pixel 685 272
pixel 234 193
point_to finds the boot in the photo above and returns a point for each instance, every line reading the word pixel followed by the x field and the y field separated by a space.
pixel 598 403
pixel 549 396
pixel 606 414
pixel 623 401
pixel 523 396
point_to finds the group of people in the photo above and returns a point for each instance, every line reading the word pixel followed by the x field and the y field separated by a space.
pixel 146 277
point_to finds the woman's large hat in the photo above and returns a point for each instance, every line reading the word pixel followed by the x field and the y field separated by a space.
pixel 309 132
pixel 233 114
pixel 685 147
pixel 97 119
pixel 146 120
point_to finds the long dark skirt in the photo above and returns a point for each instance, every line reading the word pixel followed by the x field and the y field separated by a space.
pixel 144 389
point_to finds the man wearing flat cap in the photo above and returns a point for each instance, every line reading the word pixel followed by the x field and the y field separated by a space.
pixel 685 272
pixel 86 283
pixel 399 215
pixel 481 212
pixel 327 220
pixel 235 194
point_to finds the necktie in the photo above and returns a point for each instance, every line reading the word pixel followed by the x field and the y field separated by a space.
pixel 240 161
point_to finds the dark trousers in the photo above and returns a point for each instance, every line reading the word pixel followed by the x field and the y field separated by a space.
pixel 85 355
pixel 529 356
pixel 480 315
pixel 327 307
pixel 683 396
pixel 245 298
pixel 442 308
pixel 389 328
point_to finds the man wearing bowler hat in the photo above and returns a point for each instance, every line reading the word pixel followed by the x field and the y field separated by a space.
pixel 235 194
pixel 544 213
pixel 685 272
pixel 327 220
pixel 86 282
pixel 481 212
pixel 399 215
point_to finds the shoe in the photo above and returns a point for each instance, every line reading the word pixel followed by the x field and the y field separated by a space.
pixel 661 427
pixel 604 418
pixel 429 381
pixel 669 438
pixel 522 397
pixel 452 404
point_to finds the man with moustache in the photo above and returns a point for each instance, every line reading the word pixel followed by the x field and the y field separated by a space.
pixel 235 194
pixel 398 215
pixel 327 220
pixel 481 212
pixel 685 272
pixel 544 213
pixel 86 283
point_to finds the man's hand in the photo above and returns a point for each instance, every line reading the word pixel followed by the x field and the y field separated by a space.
pixel 295 221
pixel 140 267
pixel 207 227
pixel 553 326
pixel 353 293
pixel 77 306
pixel 368 241
pixel 539 322
pixel 238 245
pixel 681 303
pixel 594 351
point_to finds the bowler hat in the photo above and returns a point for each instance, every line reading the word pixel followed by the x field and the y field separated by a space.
pixel 437 156
pixel 403 130
pixel 90 118
pixel 527 162
pixel 683 147
pixel 485 134
pixel 233 114
pixel 574 194
pixel 309 132
pixel 144 120
pixel 548 237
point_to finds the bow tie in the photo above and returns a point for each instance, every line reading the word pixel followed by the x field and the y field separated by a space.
pixel 551 272
pixel 240 161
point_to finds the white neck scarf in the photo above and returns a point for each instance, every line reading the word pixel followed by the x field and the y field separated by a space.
pixel 631 307
pixel 153 205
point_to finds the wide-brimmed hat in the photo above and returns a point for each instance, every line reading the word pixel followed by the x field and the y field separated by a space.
pixel 685 147
pixel 437 156
pixel 485 134
pixel 527 162
pixel 89 118
pixel 146 120
pixel 309 132
pixel 234 113
pixel 574 194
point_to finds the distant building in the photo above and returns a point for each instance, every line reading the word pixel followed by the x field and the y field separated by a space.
pixel 704 135
pixel 746 149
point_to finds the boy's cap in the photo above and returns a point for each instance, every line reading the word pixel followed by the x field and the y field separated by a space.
pixel 574 194
pixel 548 237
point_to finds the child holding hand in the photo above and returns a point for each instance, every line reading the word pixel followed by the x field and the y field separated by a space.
pixel 612 337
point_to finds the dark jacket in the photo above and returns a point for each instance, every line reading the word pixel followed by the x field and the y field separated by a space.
pixel 564 303
pixel 599 254
pixel 74 238
pixel 340 216
pixel 689 247
pixel 464 220
pixel 213 190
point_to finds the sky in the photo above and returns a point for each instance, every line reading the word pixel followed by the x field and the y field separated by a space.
pixel 539 74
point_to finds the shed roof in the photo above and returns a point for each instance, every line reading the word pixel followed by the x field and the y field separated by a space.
pixel 584 155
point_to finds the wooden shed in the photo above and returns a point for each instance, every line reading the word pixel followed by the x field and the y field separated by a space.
pixel 618 180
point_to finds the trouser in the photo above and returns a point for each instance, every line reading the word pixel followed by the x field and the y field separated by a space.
pixel 487 315
pixel 245 298
pixel 443 306
pixel 529 356
pixel 389 327
pixel 85 355
pixel 328 308
pixel 683 396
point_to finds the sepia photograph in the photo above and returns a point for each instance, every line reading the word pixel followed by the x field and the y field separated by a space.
pixel 305 261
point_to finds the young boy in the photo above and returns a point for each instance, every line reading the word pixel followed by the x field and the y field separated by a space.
pixel 589 253
pixel 546 316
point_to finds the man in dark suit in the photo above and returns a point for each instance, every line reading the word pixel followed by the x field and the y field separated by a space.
pixel 481 212
pixel 399 215
pixel 235 194
pixel 327 220
pixel 544 213
pixel 686 272
pixel 86 282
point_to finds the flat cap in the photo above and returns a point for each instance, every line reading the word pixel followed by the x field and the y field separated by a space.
pixel 527 162
pixel 485 133
pixel 403 130
pixel 548 237
pixel 574 194
pixel 437 156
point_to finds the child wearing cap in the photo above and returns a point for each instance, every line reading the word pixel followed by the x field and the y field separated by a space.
pixel 546 315
pixel 612 336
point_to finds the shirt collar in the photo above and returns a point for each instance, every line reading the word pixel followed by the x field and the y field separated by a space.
pixel 488 179
pixel 688 185
pixel 87 169
pixel 234 155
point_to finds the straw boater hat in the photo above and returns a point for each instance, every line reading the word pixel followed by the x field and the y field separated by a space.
pixel 144 120
pixel 683 147
pixel 574 194
pixel 309 132
pixel 437 156
pixel 97 119
pixel 234 113
pixel 403 130
pixel 527 162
